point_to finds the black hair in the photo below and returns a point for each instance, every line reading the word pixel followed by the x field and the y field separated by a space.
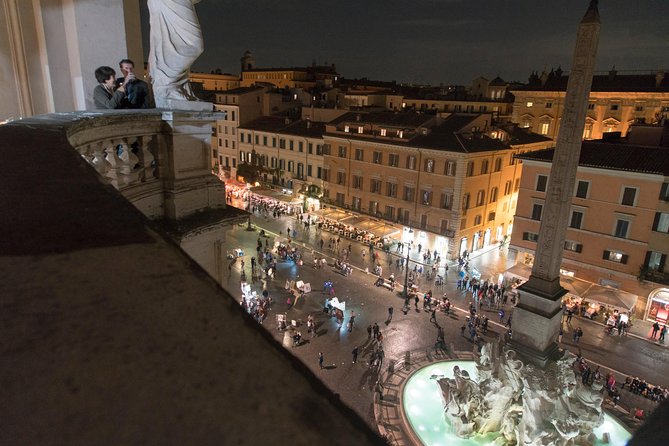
pixel 102 73
pixel 126 61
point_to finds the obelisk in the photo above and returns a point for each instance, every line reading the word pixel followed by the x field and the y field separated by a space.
pixel 536 320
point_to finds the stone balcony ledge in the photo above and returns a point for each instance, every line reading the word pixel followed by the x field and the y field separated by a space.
pixel 111 334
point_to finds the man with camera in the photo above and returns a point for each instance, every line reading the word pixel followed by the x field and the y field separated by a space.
pixel 137 94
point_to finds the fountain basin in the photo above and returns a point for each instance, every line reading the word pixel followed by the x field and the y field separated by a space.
pixel 423 409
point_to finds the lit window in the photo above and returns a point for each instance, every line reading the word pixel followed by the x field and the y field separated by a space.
pixel 383 132
pixel 346 128
pixel 360 129
pixel 615 256
pixel 544 128
pixel 529 103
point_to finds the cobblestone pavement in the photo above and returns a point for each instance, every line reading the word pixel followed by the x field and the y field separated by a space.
pixel 413 331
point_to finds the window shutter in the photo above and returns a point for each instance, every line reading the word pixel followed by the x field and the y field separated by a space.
pixel 624 258
pixel 647 259
pixel 656 222
pixel 525 236
pixel 664 191
pixel 579 248
pixel 663 260
pixel 606 255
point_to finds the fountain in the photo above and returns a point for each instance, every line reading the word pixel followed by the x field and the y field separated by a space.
pixel 499 401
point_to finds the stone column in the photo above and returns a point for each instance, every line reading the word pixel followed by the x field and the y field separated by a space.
pixel 536 320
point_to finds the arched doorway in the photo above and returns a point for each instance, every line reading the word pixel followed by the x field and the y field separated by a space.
pixel 475 242
pixel 657 308
pixel 486 238
pixel 463 245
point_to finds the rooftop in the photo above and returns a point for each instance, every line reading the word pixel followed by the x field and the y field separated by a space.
pixel 614 156
pixel 277 124
pixel 610 82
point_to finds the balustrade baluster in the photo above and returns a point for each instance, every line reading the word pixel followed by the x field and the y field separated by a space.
pixel 98 159
pixel 147 158
pixel 115 178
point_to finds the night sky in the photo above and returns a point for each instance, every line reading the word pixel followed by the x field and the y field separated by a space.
pixel 427 41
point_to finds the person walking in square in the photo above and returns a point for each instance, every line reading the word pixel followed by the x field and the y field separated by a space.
pixel 355 354
pixel 320 359
pixel 390 314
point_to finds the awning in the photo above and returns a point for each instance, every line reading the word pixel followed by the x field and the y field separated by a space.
pixel 609 296
pixel 276 195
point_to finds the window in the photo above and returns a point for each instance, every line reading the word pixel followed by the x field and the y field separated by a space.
pixel 375 186
pixel 470 168
pixel 325 173
pixel 544 128
pixel 322 149
pixel 257 139
pixel 383 132
pixel 537 209
pixel 411 162
pixel 319 172
pixel 242 157
pixel 443 228
pixel 241 137
pixel 300 171
pixel 361 129
pixel 661 222
pixel 340 199
pixel 591 106
pixel 655 261
pixel 377 157
pixel 465 202
pixel 484 167
pixel 264 140
pixel 408 193
pixel 290 166
pixel 615 256
pixel 346 128
pixel 309 170
pixel 234 162
pixel 576 220
pixel 282 164
pixel 300 146
pixel 282 143
pixel 389 213
pixel 622 228
pixel 530 236
pixel 498 164
pixel 394 160
pixel 359 154
pixel 341 178
pixel 638 108
pixel 273 142
pixel 477 220
pixel 356 203
pixel 629 195
pixel 449 168
pixel 491 216
pixel 480 198
pixel 516 185
pixel 310 148
pixel 429 165
pixel 291 145
pixel 582 189
pixel 391 190
pixel 446 201
pixel 542 181
pixel 373 207
pixel 493 195
pixel 549 105
pixel 507 188
pixel 573 246
pixel 426 197
pixel 614 107
pixel 342 151
pixel 529 104
pixel 357 181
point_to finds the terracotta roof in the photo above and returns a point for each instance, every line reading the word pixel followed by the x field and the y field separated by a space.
pixel 605 82
pixel 240 90
pixel 278 124
pixel 407 119
pixel 614 156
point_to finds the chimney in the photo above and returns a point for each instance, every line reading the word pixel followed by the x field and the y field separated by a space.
pixel 659 77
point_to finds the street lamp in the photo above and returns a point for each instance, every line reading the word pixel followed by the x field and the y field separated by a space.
pixel 249 227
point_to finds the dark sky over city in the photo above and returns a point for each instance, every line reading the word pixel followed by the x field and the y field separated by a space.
pixel 427 41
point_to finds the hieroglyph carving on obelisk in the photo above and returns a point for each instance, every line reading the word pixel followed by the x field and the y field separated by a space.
pixel 556 212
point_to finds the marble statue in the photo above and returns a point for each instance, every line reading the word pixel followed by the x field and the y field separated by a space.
pixel 176 41
pixel 524 404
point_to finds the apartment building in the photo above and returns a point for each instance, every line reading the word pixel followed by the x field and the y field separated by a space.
pixel 617 101
pixel 286 153
pixel 451 181
pixel 618 232
pixel 215 81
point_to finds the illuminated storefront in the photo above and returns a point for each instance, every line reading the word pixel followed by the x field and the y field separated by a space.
pixel 658 306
